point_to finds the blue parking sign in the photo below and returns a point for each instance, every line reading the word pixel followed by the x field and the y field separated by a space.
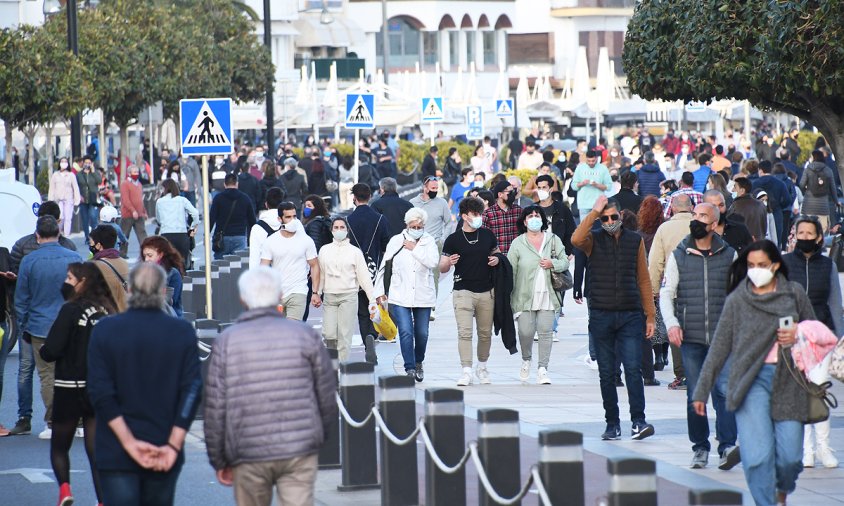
pixel 474 122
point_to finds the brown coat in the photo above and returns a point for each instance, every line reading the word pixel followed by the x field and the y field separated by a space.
pixel 115 285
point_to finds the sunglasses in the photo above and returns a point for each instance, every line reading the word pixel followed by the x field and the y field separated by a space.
pixel 430 178
pixel 605 219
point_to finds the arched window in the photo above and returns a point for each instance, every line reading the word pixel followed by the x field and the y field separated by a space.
pixel 405 44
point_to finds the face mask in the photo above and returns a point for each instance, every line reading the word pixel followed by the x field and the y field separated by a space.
pixel 414 233
pixel 93 249
pixel 806 245
pixel 67 290
pixel 611 228
pixel 63 165
pixel 306 212
pixel 760 276
pixel 534 224
pixel 542 194
pixel 511 197
pixel 698 229
pixel 133 177
pixel 340 235
pixel 432 194
pixel 613 154
pixel 476 222
pixel 614 178
pixel 292 226
pixel 734 194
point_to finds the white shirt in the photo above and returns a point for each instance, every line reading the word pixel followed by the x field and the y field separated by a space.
pixel 290 256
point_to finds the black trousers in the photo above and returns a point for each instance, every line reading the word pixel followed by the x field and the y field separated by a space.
pixel 365 324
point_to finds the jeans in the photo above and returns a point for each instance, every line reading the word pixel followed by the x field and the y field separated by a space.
pixel 771 451
pixel 231 243
pixel 624 329
pixel 26 365
pixel 412 323
pixel 143 488
pixel 725 421
pixel 90 215
pixel 191 196
pixel 4 352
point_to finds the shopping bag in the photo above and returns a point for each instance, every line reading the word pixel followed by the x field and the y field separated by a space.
pixel 384 324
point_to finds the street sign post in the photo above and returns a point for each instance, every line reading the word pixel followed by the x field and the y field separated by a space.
pixel 474 122
pixel 504 108
pixel 205 128
pixel 360 113
pixel 432 111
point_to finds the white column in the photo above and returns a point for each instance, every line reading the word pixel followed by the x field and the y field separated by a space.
pixel 501 48
pixel 479 50
pixel 461 50
pixel 445 51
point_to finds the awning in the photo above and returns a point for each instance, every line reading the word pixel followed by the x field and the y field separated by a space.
pixel 342 32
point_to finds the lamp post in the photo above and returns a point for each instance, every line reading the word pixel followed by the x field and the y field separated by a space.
pixel 385 42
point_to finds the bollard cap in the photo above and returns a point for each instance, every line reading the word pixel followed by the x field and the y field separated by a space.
pixel 394 382
pixel 356 368
pixel 443 395
pixel 206 324
pixel 560 438
pixel 715 498
pixel 627 465
pixel 224 326
pixel 496 415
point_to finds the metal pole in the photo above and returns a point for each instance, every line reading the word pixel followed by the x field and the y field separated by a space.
pixel 399 471
pixel 151 147
pixel 206 229
pixel 268 42
pixel 356 165
pixel 498 448
pixel 73 45
pixel 385 42
pixel 432 134
pixel 103 143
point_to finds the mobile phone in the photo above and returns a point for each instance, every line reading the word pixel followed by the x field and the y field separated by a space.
pixel 786 322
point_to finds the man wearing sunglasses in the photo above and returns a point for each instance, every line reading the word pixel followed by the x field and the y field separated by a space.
pixel 619 293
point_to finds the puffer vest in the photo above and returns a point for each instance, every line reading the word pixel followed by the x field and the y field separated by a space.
pixel 813 274
pixel 702 288
pixel 612 272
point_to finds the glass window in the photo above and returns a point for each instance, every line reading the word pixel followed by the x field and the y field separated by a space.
pixel 404 44
pixel 453 48
pixel 470 47
pixel 431 47
pixel 490 57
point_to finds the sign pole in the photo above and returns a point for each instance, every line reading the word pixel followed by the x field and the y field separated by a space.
pixel 206 228
pixel 432 134
pixel 357 155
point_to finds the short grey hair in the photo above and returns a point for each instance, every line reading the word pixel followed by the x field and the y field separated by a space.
pixel 515 181
pixel 388 184
pixel 716 213
pixel 260 287
pixel 715 193
pixel 147 282
pixel 681 203
pixel 291 162
pixel 415 214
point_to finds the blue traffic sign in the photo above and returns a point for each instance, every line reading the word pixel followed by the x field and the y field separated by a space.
pixel 504 108
pixel 205 126
pixel 474 122
pixel 432 109
pixel 360 110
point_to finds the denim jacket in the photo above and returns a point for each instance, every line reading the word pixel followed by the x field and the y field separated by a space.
pixel 38 297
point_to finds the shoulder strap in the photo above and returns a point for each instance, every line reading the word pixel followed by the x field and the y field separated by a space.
pixel 267 228
pixel 122 281
pixel 374 233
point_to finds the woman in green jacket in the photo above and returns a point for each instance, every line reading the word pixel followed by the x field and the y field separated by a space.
pixel 533 255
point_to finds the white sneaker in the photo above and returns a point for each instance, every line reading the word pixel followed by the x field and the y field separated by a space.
pixel 827 458
pixel 483 374
pixel 46 434
pixel 592 364
pixel 542 377
pixel 524 372
pixel 466 378
pixel 80 432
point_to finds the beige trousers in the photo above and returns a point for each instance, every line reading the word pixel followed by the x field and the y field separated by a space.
pixel 47 375
pixel 293 480
pixel 294 306
pixel 339 319
pixel 472 307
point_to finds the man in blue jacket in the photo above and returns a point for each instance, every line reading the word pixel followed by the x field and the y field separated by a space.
pixel 778 197
pixel 650 176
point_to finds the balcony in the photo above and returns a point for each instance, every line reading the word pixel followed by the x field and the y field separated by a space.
pixel 348 69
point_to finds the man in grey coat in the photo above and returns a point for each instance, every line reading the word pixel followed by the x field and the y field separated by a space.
pixel 270 398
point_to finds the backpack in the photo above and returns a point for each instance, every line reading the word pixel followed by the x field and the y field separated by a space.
pixel 267 228
pixel 818 183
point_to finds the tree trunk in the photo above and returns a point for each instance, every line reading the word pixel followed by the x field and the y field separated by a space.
pixel 8 127
pixel 30 169
pixel 831 124
pixel 123 152
pixel 48 145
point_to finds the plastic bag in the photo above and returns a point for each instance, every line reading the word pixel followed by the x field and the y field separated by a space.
pixel 383 323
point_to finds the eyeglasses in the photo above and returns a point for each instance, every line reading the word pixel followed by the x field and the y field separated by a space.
pixel 613 217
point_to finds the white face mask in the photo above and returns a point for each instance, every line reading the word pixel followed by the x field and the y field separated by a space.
pixel 476 222
pixel 760 276
pixel 415 234
pixel 340 234
pixel 291 226
pixel 542 194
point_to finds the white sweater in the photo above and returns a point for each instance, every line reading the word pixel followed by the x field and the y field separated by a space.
pixel 343 269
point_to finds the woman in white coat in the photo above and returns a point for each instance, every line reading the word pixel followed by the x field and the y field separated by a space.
pixel 410 290
pixel 64 190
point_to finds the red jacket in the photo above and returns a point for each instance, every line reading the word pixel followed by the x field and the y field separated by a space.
pixel 132 199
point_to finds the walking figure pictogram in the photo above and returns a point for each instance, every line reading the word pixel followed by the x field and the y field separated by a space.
pixel 206 125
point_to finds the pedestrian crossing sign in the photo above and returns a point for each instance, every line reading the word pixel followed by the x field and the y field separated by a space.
pixel 432 109
pixel 205 126
pixel 360 110
pixel 504 108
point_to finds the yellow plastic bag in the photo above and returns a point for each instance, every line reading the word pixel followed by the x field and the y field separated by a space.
pixel 384 324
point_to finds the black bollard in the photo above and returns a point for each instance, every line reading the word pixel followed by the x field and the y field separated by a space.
pixel 632 482
pixel 235 270
pixel 197 300
pixel 218 293
pixel 561 466
pixel 225 296
pixel 498 449
pixel 358 447
pixel 399 471
pixel 189 317
pixel 329 452
pixel 716 497
pixel 206 332
pixel 188 304
pixel 446 426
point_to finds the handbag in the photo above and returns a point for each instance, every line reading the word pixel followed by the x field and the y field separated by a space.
pixel 217 238
pixel 560 281
pixel 820 398
pixel 836 364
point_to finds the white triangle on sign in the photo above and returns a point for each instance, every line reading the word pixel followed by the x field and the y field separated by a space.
pixel 360 113
pixel 206 130
pixel 432 110
pixel 504 108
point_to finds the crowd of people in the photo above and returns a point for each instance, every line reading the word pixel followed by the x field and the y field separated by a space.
pixel 683 251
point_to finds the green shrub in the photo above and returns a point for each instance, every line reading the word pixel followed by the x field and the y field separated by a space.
pixel 806 140
pixel 42 182
pixel 523 174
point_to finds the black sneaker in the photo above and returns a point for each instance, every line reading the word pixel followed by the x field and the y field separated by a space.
pixel 420 373
pixel 641 430
pixel 730 458
pixel 613 432
pixel 22 427
pixel 618 382
pixel 369 344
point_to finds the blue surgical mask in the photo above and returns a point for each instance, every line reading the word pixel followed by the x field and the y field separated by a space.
pixel 476 222
pixel 415 233
pixel 306 212
pixel 534 223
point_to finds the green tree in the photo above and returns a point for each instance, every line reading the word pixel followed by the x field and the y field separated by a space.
pixel 779 55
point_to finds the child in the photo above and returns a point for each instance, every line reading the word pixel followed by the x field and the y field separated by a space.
pixel 108 215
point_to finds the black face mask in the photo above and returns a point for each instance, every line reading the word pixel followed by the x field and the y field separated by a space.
pixel 67 290
pixel 698 229
pixel 511 197
pixel 93 249
pixel 614 178
pixel 807 245
pixel 722 218
pixel 432 195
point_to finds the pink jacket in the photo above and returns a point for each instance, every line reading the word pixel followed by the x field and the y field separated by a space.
pixel 63 186
pixel 814 342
